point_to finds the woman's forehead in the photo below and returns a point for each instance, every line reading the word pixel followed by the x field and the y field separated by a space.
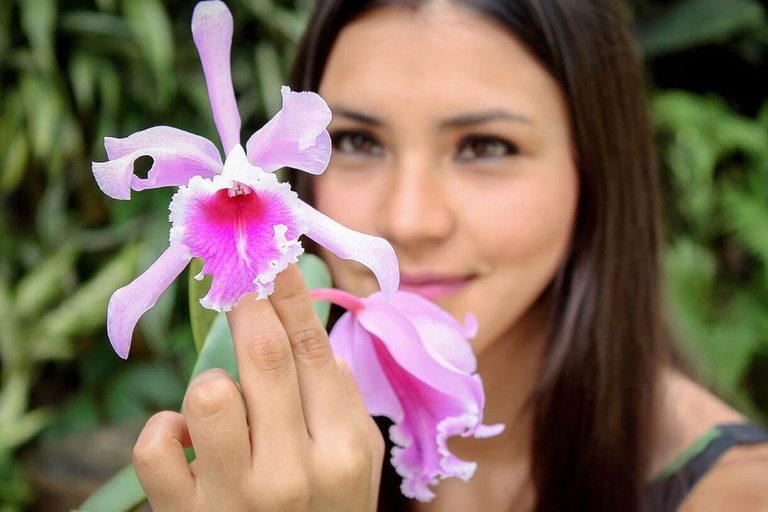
pixel 443 58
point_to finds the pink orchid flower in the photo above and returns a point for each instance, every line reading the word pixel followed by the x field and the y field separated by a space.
pixel 414 364
pixel 235 215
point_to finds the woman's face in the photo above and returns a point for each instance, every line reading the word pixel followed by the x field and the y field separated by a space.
pixel 453 143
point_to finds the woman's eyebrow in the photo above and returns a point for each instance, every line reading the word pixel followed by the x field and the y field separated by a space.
pixel 356 116
pixel 483 117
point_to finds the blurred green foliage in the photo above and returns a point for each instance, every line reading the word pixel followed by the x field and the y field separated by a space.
pixel 74 71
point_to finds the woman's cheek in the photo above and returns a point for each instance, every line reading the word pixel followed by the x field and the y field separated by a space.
pixel 521 232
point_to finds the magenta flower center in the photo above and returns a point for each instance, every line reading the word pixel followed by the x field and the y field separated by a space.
pixel 223 208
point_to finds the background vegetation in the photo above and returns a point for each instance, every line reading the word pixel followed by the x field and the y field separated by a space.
pixel 73 71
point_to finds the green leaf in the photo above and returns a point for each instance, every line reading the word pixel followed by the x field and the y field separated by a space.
pixel 270 76
pixel 690 23
pixel 107 26
pixel 690 270
pixel 121 493
pixel 15 165
pixel 154 36
pixel 38 21
pixel 43 105
pixel 23 428
pixel 14 395
pixel 142 388
pixel 5 26
pixel 45 282
pixel 288 24
pixel 746 217
pixel 86 309
pixel 730 345
pixel 200 317
pixel 83 76
pixel 316 275
pixel 218 350
pixel 11 341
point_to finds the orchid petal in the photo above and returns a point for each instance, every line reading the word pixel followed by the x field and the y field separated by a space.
pixel 131 301
pixel 295 137
pixel 177 155
pixel 407 348
pixel 212 28
pixel 444 337
pixel 354 345
pixel 431 416
pixel 372 251
pixel 245 240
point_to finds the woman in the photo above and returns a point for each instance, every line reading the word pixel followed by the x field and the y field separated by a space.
pixel 503 148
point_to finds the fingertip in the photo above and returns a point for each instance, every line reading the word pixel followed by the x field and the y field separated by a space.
pixel 289 284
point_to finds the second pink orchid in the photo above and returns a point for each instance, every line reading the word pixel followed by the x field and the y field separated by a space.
pixel 414 364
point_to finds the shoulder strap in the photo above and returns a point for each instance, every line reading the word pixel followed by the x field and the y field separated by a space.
pixel 669 492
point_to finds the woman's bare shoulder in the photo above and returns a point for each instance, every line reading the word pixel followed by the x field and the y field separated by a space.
pixel 688 411
pixel 739 479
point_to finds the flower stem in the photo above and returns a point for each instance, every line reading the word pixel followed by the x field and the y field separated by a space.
pixel 338 297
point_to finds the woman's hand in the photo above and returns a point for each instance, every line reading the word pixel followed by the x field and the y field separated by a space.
pixel 304 440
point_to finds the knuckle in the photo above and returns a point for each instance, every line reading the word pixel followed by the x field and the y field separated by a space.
pixel 293 492
pixel 269 352
pixel 210 397
pixel 343 367
pixel 148 452
pixel 349 463
pixel 376 440
pixel 146 455
pixel 311 343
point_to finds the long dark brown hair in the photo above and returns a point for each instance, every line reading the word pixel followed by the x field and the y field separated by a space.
pixel 594 406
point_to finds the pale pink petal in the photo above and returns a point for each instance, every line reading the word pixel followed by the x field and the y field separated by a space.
pixel 354 345
pixel 406 345
pixel 133 300
pixel 295 137
pixel 177 156
pixel 212 31
pixel 372 251
pixel 444 337
pixel 430 417
pixel 244 240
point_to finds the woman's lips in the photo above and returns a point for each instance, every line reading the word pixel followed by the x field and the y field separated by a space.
pixel 431 286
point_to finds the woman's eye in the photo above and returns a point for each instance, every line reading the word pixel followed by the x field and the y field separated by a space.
pixel 357 143
pixel 479 148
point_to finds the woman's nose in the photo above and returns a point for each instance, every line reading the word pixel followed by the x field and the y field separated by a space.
pixel 416 209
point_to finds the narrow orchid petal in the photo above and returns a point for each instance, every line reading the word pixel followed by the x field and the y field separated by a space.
pixel 177 156
pixel 484 431
pixel 133 300
pixel 338 297
pixel 354 345
pixel 444 337
pixel 212 28
pixel 373 252
pixel 295 137
pixel 244 239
